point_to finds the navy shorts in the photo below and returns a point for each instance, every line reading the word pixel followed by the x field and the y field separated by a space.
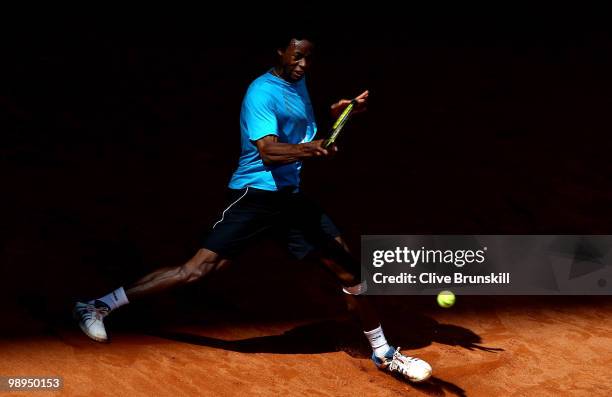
pixel 289 216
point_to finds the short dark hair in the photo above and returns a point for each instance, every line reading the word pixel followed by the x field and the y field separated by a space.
pixel 283 38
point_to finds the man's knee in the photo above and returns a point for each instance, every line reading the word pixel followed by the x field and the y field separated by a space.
pixel 202 263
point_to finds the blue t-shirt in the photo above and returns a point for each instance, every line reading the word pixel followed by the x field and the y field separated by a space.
pixel 272 106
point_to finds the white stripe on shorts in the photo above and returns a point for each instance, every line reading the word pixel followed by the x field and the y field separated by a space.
pixel 230 206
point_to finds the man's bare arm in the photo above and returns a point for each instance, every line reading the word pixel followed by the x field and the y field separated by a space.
pixel 273 152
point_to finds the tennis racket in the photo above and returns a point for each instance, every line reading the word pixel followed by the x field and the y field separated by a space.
pixel 339 124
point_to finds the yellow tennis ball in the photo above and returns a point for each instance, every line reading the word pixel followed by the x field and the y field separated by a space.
pixel 446 299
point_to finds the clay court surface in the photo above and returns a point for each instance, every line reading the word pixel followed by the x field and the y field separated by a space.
pixel 499 346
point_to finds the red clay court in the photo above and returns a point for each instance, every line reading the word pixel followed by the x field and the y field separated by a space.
pixel 484 346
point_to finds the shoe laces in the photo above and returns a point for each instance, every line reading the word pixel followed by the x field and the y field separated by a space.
pixel 91 311
pixel 401 363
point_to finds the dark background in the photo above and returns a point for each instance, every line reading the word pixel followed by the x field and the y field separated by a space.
pixel 118 139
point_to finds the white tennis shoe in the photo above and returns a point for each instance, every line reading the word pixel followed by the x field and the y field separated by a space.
pixel 90 317
pixel 412 368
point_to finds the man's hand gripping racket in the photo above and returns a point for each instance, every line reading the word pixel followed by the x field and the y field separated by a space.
pixel 343 110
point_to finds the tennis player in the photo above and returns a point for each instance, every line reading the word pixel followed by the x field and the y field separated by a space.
pixel 265 199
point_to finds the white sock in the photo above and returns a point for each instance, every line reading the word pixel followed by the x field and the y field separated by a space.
pixel 378 341
pixel 115 299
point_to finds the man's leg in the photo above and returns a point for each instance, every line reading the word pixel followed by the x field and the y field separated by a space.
pixel 250 213
pixel 204 262
pixel 91 314
pixel 336 257
pixel 355 302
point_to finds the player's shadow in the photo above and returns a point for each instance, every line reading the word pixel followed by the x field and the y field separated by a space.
pixel 420 331
pixel 340 335
pixel 345 335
